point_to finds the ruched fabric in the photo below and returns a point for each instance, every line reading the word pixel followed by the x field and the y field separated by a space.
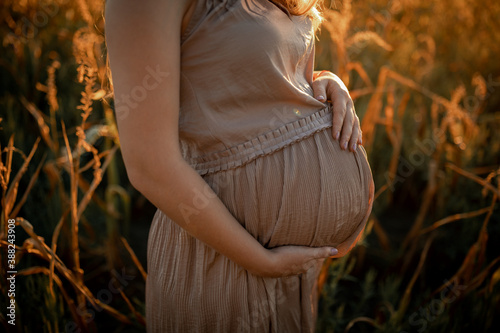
pixel 251 128
pixel 263 144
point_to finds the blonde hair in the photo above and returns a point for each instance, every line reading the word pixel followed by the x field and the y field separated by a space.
pixel 312 8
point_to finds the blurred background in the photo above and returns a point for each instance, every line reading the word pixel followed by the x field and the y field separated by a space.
pixel 425 78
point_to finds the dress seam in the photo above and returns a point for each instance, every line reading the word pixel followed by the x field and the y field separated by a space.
pixel 263 145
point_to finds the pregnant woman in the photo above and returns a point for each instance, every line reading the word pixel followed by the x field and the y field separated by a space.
pixel 252 158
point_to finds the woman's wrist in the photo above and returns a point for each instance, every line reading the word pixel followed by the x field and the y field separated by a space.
pixel 262 264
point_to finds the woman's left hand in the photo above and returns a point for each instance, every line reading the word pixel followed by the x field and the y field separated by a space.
pixel 346 127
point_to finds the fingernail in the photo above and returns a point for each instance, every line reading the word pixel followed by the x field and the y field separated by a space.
pixel 344 146
pixel 337 135
pixel 360 141
pixel 353 147
pixel 320 97
pixel 334 251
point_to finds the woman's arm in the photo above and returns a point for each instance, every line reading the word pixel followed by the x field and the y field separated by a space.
pixel 143 40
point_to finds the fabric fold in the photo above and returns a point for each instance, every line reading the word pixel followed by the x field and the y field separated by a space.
pixel 263 144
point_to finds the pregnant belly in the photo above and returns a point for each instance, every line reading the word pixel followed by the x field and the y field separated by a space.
pixel 309 193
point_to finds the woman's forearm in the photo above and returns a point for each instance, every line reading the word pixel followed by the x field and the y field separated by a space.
pixel 178 191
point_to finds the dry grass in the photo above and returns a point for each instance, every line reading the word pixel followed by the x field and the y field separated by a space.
pixel 449 128
pixel 65 162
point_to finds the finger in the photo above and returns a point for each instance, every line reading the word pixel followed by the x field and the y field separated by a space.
pixel 325 252
pixel 319 89
pixel 354 140
pixel 347 127
pixel 311 256
pixel 339 113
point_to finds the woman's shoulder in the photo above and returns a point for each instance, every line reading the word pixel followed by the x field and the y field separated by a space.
pixel 148 9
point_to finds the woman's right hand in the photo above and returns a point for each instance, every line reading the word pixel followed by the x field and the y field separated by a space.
pixel 293 260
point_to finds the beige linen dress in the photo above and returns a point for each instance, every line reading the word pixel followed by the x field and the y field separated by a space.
pixel 250 126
